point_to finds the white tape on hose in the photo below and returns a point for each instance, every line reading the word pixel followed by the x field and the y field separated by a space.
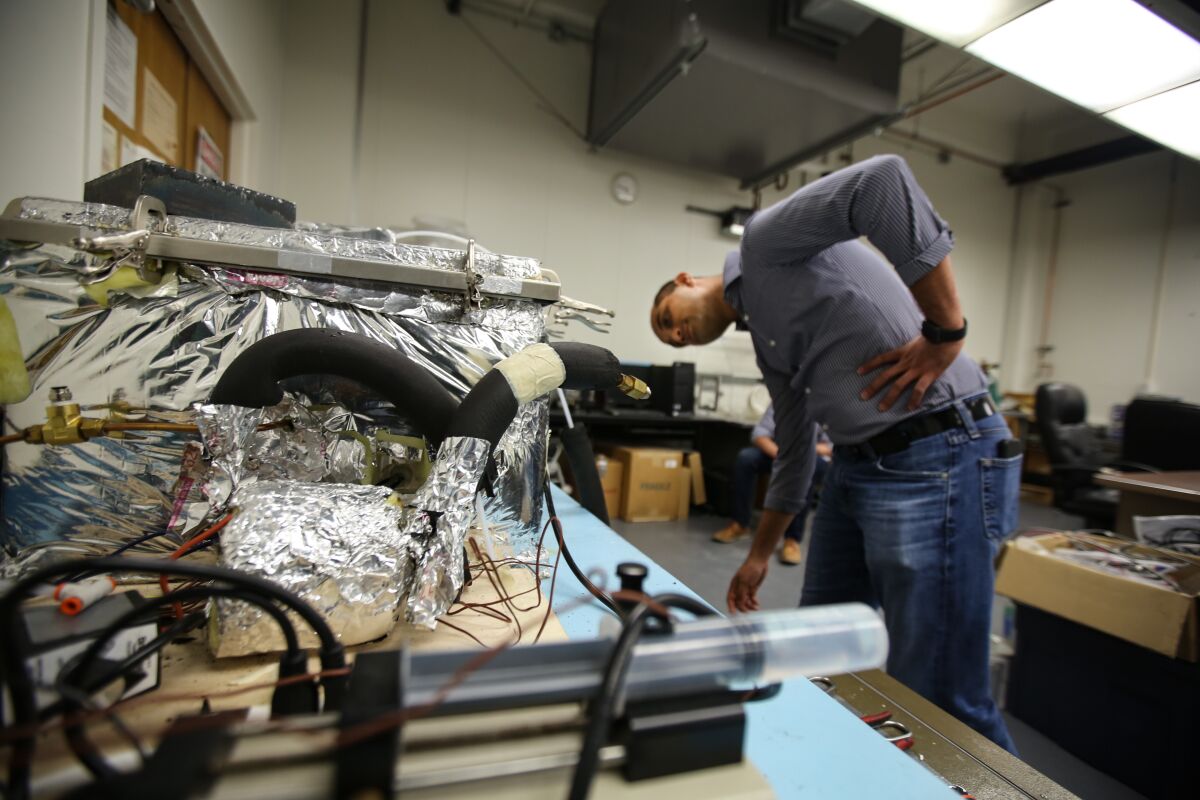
pixel 533 372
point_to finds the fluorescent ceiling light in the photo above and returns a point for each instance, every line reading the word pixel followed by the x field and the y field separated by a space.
pixel 955 22
pixel 1171 118
pixel 1101 54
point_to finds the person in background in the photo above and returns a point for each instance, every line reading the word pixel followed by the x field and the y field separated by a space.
pixel 922 490
pixel 757 460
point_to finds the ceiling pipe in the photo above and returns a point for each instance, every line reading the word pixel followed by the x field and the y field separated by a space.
pixel 1084 158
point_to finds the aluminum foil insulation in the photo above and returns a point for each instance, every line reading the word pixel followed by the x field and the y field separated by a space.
pixel 340 547
pixel 157 351
pixel 310 444
pixel 436 524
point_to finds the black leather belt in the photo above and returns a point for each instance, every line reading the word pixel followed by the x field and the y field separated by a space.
pixel 903 433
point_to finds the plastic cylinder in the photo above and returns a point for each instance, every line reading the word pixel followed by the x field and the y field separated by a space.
pixel 764 647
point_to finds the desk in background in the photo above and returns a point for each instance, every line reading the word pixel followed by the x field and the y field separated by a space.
pixel 716 439
pixel 1152 494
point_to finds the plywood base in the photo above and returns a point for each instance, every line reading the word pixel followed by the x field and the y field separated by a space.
pixel 191 675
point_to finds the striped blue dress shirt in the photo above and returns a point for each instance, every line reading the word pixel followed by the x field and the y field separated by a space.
pixel 818 303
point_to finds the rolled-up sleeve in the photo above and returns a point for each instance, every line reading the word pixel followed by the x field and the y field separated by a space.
pixel 795 434
pixel 878 198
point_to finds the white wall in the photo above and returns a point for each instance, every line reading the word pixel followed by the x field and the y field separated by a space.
pixel 449 132
pixel 250 35
pixel 45 94
pixel 317 109
pixel 52 57
pixel 1115 238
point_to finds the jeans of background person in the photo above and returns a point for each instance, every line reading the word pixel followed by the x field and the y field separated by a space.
pixel 749 465
pixel 916 533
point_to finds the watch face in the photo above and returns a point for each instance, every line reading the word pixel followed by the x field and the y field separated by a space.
pixel 624 188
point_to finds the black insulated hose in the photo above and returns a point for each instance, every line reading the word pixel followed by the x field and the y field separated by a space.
pixel 588 366
pixel 253 378
pixel 490 406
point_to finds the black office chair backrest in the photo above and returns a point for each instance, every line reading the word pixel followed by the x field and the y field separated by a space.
pixel 1162 433
pixel 1062 423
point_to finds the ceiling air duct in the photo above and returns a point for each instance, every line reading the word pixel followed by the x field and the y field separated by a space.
pixel 745 88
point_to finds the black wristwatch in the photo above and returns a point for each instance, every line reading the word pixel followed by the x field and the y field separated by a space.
pixel 939 335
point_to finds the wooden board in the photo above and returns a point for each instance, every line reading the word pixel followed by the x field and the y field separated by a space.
pixel 190 673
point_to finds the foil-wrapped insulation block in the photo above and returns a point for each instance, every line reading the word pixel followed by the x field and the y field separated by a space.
pixel 156 352
pixel 314 443
pixel 436 524
pixel 340 547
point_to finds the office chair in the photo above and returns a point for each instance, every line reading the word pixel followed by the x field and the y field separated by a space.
pixel 1074 451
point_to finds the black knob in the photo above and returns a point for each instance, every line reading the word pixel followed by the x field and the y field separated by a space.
pixel 632 576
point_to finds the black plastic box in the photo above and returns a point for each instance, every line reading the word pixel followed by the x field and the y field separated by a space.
pixel 189 194
pixel 1128 711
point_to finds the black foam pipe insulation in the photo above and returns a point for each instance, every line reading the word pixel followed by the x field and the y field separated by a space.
pixel 253 377
pixel 490 406
pixel 486 411
pixel 588 366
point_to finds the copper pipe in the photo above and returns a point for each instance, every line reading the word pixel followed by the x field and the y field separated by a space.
pixel 921 109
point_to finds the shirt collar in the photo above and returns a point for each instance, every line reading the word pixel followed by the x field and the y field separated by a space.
pixel 732 278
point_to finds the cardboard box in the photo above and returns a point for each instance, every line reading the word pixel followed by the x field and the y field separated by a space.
pixel 612 476
pixel 656 486
pixel 1156 617
pixel 696 466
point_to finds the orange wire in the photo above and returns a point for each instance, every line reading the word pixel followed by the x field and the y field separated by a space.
pixel 187 546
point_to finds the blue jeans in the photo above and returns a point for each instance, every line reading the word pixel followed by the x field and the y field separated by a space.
pixel 749 465
pixel 917 533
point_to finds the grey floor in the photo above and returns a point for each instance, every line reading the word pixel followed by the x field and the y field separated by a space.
pixel 685 549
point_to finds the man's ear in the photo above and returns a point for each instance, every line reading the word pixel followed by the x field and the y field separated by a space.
pixel 685 279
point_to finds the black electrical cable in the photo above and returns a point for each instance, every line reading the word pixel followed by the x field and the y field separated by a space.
pixel 140 540
pixel 83 662
pixel 595 591
pixel 94 684
pixel 16 671
pixel 600 707
pixel 88 754
pixel 689 604
pixel 75 697
pixel 606 700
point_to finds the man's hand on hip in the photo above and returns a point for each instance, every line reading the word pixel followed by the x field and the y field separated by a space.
pixel 918 363
pixel 743 589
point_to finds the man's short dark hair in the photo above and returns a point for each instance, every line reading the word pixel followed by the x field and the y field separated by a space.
pixel 666 289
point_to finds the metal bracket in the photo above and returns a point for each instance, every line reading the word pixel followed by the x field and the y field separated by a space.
pixel 128 249
pixel 171 245
pixel 587 308
pixel 474 298
pixel 562 315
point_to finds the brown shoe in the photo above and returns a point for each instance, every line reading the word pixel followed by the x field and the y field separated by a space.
pixel 730 533
pixel 790 553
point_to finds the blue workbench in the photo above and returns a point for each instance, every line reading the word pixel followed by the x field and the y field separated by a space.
pixel 804 742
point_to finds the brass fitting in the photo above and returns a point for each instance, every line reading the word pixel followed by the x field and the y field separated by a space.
pixel 64 424
pixel 633 387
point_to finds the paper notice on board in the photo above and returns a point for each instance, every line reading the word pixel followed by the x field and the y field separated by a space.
pixel 120 69
pixel 210 161
pixel 110 152
pixel 131 151
pixel 160 117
